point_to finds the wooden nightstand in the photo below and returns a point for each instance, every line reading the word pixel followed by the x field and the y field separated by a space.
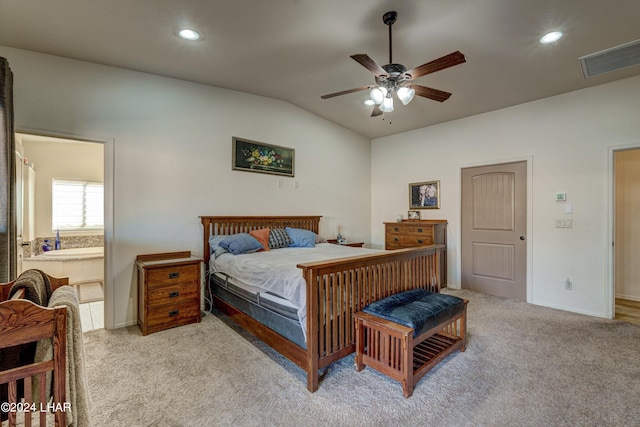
pixel 168 290
pixel 352 244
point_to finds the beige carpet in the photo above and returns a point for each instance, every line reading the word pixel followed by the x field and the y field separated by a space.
pixel 524 366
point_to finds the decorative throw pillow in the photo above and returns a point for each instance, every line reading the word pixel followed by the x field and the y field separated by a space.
pixel 262 236
pixel 241 243
pixel 301 238
pixel 278 238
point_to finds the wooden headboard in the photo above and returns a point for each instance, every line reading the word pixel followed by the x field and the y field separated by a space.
pixel 216 225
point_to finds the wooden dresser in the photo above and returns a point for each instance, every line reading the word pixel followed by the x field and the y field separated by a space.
pixel 168 290
pixel 411 233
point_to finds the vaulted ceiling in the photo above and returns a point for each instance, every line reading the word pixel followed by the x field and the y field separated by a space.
pixel 298 50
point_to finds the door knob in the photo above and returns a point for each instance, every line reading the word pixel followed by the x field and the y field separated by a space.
pixel 521 237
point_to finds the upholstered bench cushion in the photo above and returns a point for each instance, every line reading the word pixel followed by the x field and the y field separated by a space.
pixel 418 309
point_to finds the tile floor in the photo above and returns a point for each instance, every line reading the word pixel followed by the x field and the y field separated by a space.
pixel 92 315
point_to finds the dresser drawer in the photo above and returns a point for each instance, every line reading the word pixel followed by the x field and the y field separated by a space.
pixel 407 241
pixel 170 316
pixel 419 230
pixel 415 233
pixel 162 276
pixel 172 294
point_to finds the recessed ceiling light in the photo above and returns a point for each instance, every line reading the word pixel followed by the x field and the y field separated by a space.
pixel 189 34
pixel 551 37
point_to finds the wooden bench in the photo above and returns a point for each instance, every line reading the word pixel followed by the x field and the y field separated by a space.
pixel 405 335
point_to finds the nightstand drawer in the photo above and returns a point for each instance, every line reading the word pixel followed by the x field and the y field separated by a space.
pixel 170 316
pixel 162 276
pixel 168 290
pixel 174 294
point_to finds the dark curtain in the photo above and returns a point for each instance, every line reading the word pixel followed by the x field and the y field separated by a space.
pixel 7 176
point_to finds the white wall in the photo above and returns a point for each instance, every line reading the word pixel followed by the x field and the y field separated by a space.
pixel 60 160
pixel 172 157
pixel 567 140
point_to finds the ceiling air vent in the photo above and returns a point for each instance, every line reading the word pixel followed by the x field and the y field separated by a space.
pixel 612 59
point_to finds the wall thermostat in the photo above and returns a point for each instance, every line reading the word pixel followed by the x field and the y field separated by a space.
pixel 561 197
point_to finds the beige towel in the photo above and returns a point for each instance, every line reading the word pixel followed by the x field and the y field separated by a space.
pixel 77 387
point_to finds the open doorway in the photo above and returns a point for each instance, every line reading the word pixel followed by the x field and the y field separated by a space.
pixel 626 166
pixel 61 227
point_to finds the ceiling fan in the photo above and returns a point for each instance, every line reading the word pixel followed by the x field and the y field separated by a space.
pixel 395 78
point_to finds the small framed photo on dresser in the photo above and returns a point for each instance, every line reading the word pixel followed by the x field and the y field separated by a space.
pixel 413 215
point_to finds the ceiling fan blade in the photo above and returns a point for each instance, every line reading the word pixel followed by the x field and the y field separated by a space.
pixel 446 61
pixel 435 94
pixel 368 63
pixel 344 92
pixel 376 111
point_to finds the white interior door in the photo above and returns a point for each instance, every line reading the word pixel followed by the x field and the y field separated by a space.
pixel 494 249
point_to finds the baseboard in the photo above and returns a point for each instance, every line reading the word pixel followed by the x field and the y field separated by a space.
pixel 628 297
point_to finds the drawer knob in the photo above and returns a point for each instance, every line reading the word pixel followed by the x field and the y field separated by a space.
pixel 396 229
pixel 395 240
pixel 174 294
pixel 174 313
pixel 419 230
pixel 174 275
pixel 420 241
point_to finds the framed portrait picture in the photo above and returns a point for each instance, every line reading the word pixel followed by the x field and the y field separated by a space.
pixel 413 215
pixel 424 195
pixel 253 156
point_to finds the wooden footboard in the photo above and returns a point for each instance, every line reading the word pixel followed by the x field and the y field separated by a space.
pixel 335 290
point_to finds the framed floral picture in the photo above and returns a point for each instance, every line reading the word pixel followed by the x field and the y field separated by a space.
pixel 413 214
pixel 424 195
pixel 253 156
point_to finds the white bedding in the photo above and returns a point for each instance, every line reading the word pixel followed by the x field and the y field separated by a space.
pixel 275 270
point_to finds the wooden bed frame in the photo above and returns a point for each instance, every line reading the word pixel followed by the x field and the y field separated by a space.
pixel 22 322
pixel 335 290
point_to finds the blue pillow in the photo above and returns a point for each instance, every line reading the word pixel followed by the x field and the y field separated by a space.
pixel 241 243
pixel 301 238
pixel 214 245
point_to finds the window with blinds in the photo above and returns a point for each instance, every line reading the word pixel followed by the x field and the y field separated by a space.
pixel 77 205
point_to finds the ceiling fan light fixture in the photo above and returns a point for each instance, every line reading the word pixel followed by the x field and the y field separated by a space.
pixel 394 77
pixel 406 94
pixel 377 94
pixel 387 105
